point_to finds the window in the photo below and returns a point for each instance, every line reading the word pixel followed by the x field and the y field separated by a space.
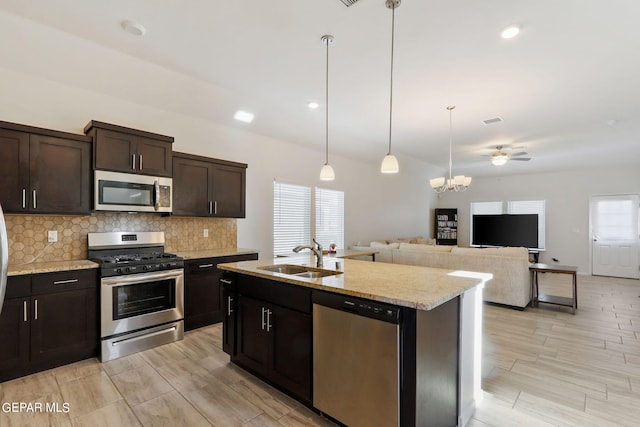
pixel 615 217
pixel 293 224
pixel 329 217
pixel 483 208
pixel 291 217
pixel 531 207
pixel 513 207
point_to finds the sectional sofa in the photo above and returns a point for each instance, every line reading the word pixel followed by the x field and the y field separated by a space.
pixel 510 266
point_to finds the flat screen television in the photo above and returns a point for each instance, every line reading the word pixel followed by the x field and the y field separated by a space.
pixel 505 230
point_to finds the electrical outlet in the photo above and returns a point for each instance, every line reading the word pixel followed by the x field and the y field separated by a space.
pixel 205 232
pixel 52 236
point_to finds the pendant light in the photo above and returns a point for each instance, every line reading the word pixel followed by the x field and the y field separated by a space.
pixel 458 182
pixel 326 173
pixel 390 163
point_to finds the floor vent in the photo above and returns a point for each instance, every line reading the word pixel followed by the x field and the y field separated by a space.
pixel 491 121
pixel 349 2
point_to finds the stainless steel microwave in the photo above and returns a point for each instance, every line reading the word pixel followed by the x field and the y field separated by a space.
pixel 115 191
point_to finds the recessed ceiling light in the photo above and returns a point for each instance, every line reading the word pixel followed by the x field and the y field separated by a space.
pixel 243 116
pixel 510 32
pixel 134 28
pixel 313 105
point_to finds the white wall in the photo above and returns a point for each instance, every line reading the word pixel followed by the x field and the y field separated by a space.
pixel 41 86
pixel 567 197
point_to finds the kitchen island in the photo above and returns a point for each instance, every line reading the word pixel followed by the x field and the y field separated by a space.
pixel 275 328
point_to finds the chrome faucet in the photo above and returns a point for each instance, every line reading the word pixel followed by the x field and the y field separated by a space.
pixel 317 250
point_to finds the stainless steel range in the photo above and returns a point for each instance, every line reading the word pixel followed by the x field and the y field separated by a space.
pixel 141 292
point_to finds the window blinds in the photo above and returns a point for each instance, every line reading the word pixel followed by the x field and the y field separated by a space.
pixel 291 217
pixel 329 217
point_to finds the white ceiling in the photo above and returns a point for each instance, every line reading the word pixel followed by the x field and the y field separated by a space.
pixel 567 87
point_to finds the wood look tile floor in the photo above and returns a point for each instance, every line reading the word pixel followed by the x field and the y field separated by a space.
pixel 541 367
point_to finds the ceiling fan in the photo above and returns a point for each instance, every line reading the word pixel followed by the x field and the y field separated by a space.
pixel 499 158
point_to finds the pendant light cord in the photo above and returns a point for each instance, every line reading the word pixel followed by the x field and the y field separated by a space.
pixel 450 137
pixel 393 20
pixel 326 121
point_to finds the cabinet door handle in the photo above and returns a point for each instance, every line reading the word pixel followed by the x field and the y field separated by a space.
pixel 225 281
pixel 24 308
pixel 35 205
pixel 229 309
pixel 269 325
pixel 263 315
pixel 215 208
pixel 24 198
pixel 36 310
pixel 63 282
pixel 133 161
pixel 210 207
pixel 205 266
pixel 140 156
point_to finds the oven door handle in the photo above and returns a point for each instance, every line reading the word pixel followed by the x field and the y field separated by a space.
pixel 141 278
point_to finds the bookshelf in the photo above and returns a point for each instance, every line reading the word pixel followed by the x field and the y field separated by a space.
pixel 446 226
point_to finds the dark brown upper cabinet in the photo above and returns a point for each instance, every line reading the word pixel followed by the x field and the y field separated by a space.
pixel 44 171
pixel 122 149
pixel 208 187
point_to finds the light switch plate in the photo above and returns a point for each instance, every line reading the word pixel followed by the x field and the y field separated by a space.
pixel 205 232
pixel 52 236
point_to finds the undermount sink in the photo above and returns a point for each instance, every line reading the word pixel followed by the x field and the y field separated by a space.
pixel 316 274
pixel 299 271
pixel 285 269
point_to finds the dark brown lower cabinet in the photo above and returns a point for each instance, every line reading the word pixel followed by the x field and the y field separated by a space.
pixel 48 320
pixel 274 341
pixel 203 300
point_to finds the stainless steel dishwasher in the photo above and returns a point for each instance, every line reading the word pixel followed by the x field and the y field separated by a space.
pixel 356 360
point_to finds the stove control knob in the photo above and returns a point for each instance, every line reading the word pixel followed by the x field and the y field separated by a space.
pixel 127 269
pixel 146 267
pixel 118 270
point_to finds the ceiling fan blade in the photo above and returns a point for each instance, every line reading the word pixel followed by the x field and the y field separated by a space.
pixel 522 153
pixel 523 159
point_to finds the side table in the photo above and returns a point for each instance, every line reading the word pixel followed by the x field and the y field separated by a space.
pixel 534 269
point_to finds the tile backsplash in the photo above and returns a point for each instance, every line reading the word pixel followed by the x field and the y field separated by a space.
pixel 28 233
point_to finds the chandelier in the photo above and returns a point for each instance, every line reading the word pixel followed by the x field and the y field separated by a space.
pixel 456 183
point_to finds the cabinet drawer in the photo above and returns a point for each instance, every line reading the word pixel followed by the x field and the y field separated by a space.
pixel 284 294
pixel 64 281
pixel 18 286
pixel 203 265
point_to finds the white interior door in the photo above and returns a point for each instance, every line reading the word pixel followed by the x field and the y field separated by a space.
pixel 614 236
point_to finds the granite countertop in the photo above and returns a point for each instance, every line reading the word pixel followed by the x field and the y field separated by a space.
pixel 51 266
pixel 213 253
pixel 422 288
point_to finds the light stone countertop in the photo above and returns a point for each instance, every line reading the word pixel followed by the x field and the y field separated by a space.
pixel 422 288
pixel 214 253
pixel 50 266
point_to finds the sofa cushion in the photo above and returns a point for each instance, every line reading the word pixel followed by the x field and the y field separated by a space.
pixel 506 252
pixel 424 248
pixel 422 241
pixel 385 245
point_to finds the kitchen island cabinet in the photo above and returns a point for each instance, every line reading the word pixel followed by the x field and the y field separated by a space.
pixel 274 333
pixel 49 320
pixel 208 187
pixel 438 333
pixel 203 295
pixel 44 171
